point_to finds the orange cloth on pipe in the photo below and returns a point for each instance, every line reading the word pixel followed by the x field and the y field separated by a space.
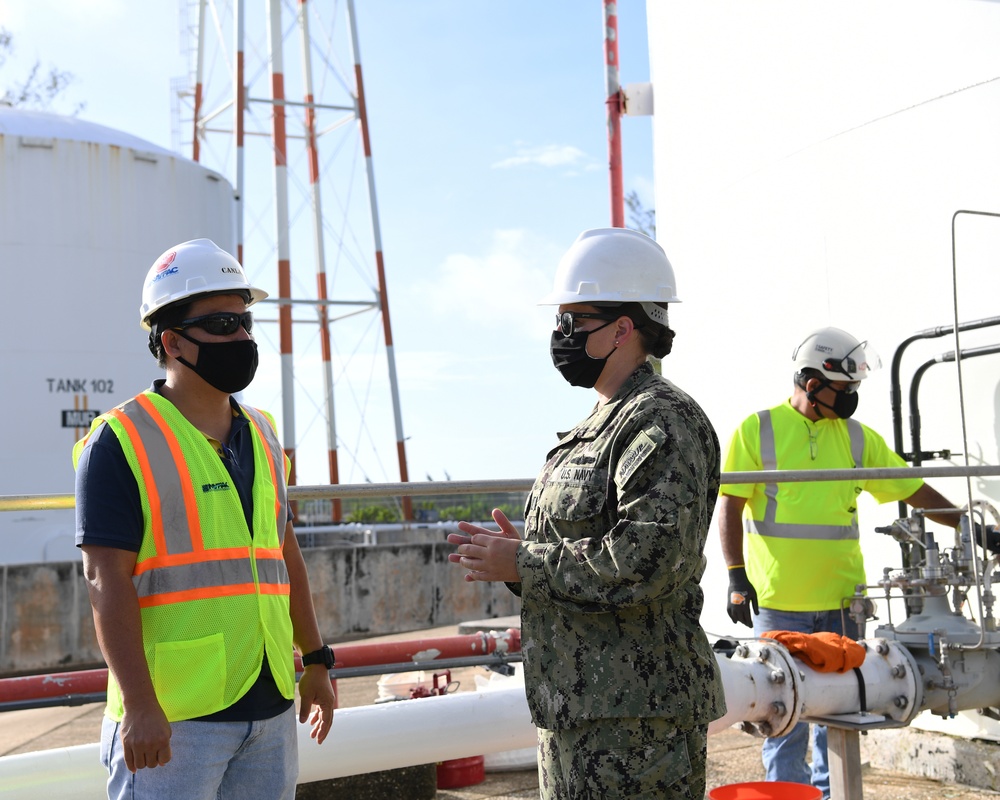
pixel 824 652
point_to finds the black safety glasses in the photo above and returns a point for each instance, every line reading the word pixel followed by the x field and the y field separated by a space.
pixel 221 323
pixel 566 321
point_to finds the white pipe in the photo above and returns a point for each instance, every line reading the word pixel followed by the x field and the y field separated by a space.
pixel 70 773
pixel 762 684
pixel 765 687
pixel 893 686
pixel 423 731
pixel 363 739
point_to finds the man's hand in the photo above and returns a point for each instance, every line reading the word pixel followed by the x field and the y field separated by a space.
pixel 145 735
pixel 742 596
pixel 316 693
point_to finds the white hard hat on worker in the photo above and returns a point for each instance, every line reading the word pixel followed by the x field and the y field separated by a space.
pixel 615 265
pixel 611 273
pixel 198 285
pixel 192 269
pixel 831 358
pixel 836 354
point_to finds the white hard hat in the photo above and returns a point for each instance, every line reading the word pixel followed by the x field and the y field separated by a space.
pixel 836 354
pixel 189 269
pixel 613 265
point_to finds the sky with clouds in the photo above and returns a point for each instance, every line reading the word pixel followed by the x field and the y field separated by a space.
pixel 489 149
pixel 809 160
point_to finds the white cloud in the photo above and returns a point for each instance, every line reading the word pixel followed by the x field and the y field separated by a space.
pixel 548 155
pixel 499 288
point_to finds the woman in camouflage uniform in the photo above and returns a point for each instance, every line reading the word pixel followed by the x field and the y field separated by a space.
pixel 620 678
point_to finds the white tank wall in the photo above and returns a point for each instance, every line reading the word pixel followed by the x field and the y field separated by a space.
pixel 84 210
pixel 789 195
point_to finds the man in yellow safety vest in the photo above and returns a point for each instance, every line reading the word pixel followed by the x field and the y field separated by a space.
pixel 198 588
pixel 801 555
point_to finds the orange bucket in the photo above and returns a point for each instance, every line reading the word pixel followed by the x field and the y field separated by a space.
pixel 766 790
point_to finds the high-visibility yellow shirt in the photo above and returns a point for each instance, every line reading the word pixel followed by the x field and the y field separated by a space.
pixel 213 599
pixel 802 539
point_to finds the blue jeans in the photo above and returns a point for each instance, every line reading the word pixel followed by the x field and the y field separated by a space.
pixel 211 761
pixel 784 757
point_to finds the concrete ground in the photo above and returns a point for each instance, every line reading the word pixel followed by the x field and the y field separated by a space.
pixel 733 756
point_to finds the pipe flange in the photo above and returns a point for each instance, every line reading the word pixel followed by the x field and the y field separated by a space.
pixel 779 686
pixel 901 666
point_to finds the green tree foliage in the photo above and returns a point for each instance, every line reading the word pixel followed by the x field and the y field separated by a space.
pixel 479 511
pixel 472 508
pixel 373 513
pixel 39 89
pixel 642 219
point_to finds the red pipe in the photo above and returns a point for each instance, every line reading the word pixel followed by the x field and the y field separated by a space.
pixel 614 113
pixel 93 681
pixel 32 687
pixel 474 644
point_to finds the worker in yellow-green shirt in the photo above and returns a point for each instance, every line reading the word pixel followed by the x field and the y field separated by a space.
pixel 801 556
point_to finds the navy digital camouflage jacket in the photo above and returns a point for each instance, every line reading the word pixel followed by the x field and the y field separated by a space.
pixel 615 529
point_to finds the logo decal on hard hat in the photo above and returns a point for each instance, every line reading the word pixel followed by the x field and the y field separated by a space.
pixel 164 268
pixel 167 261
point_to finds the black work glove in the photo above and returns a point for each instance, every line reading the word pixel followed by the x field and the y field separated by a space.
pixel 742 595
pixel 992 537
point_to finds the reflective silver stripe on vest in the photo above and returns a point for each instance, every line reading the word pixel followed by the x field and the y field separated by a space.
pixel 272 570
pixel 790 530
pixel 184 577
pixel 205 574
pixel 176 532
pixel 278 459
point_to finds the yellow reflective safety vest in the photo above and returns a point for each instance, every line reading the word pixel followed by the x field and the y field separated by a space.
pixel 802 539
pixel 212 598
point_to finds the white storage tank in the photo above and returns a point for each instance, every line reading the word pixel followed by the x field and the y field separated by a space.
pixel 807 170
pixel 84 210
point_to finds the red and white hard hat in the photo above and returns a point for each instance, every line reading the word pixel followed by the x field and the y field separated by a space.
pixel 191 269
pixel 613 265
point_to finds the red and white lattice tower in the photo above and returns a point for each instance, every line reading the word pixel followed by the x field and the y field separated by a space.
pixel 294 143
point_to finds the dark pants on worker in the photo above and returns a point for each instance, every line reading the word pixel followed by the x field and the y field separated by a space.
pixel 784 757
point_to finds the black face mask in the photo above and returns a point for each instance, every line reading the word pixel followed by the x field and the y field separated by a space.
pixel 844 403
pixel 569 354
pixel 226 366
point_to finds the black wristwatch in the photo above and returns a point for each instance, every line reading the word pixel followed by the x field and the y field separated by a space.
pixel 322 656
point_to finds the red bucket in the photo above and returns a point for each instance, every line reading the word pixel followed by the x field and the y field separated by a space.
pixel 459 772
pixel 766 790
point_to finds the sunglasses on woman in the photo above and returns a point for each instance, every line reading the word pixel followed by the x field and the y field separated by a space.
pixel 221 323
pixel 566 321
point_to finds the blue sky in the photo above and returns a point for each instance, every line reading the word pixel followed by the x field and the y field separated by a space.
pixel 488 136
pixel 809 161
pixel 490 151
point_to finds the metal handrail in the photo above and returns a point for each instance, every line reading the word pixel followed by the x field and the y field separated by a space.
pixel 24 502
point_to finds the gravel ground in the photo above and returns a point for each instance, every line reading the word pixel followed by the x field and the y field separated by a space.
pixel 734 757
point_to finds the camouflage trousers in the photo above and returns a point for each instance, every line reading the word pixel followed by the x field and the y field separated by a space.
pixel 639 759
